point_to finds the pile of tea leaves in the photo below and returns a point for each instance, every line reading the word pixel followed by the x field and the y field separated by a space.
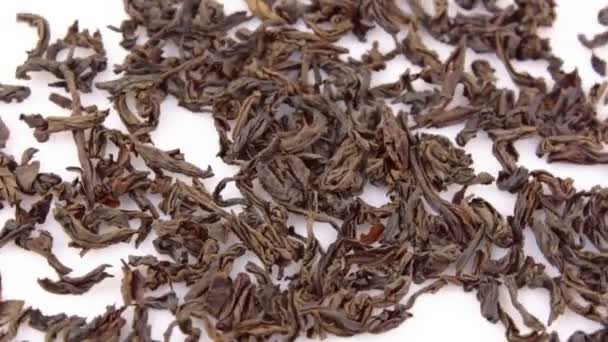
pixel 308 130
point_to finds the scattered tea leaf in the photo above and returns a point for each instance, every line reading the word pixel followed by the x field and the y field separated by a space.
pixel 75 285
pixel 599 65
pixel 10 93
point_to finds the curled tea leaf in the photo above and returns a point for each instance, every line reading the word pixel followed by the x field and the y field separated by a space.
pixel 43 244
pixel 84 238
pixel 75 285
pixel 172 161
pixel 10 93
pixel 373 235
pixel 262 10
pixel 598 65
pixel 5 133
pixel 44 32
pixel 44 127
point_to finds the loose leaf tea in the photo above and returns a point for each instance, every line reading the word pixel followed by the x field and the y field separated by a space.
pixel 78 285
pixel 5 133
pixel 602 16
pixel 308 130
pixel 598 40
pixel 10 93
pixel 598 65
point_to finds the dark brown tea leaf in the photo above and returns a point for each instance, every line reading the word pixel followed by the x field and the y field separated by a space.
pixel 10 93
pixel 308 128
pixel 75 285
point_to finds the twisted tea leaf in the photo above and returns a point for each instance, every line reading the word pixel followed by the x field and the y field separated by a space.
pixel 307 129
pixel 10 93
pixel 75 285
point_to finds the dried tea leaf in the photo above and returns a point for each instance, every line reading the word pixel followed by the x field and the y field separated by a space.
pixel 10 310
pixel 598 65
pixel 262 10
pixel 44 32
pixel 171 161
pixel 597 41
pixel 5 133
pixel 307 130
pixel 84 238
pixel 75 285
pixel 487 294
pixel 102 328
pixel 10 93
pixel 132 285
pixel 11 230
pixel 44 127
pixel 141 331
pixel 43 244
pixel 373 235
pixel 602 16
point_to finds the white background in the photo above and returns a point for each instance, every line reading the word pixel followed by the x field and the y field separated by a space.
pixel 450 315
